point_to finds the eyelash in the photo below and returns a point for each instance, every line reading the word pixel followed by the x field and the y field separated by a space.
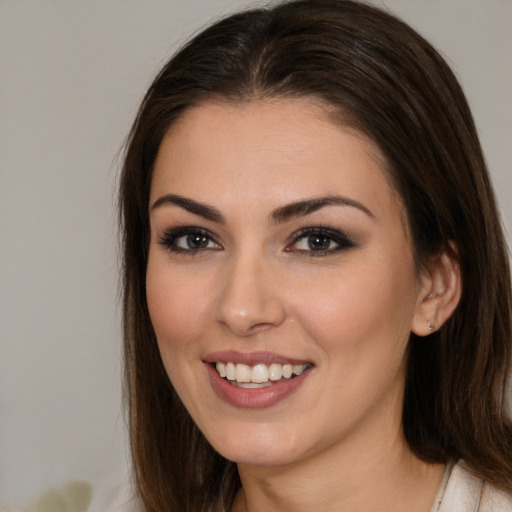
pixel 342 241
pixel 331 235
pixel 169 239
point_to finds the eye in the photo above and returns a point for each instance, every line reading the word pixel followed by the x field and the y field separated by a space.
pixel 188 239
pixel 319 241
pixel 315 243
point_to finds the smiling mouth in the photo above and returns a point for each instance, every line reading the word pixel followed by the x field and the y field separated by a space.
pixel 259 375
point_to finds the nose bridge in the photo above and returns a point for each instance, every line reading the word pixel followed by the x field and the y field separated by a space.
pixel 249 300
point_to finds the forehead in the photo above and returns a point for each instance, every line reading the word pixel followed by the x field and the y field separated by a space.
pixel 271 151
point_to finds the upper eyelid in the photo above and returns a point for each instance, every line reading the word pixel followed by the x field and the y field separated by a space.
pixel 180 231
pixel 176 226
pixel 322 230
pixel 186 229
pixel 338 235
pixel 342 240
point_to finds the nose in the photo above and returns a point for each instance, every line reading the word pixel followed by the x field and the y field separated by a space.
pixel 250 300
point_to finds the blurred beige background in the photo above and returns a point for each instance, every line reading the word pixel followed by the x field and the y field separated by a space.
pixel 73 73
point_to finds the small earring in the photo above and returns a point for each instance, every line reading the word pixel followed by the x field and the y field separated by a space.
pixel 431 326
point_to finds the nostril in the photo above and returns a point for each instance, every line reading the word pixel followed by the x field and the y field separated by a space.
pixel 251 321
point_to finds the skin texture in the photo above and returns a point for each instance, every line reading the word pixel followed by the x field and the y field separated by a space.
pixel 336 441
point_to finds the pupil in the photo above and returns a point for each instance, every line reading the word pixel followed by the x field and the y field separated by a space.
pixel 197 241
pixel 319 242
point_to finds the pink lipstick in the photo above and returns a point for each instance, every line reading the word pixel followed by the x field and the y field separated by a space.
pixel 255 380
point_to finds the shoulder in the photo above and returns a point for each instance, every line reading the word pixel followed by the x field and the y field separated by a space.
pixel 466 492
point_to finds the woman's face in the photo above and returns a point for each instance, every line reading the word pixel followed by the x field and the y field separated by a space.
pixel 277 247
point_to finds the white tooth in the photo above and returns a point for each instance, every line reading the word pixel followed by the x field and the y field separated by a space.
pixel 230 371
pixel 252 385
pixel 287 371
pixel 243 373
pixel 298 368
pixel 259 373
pixel 221 368
pixel 275 371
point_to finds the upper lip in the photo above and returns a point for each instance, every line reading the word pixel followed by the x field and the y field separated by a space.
pixel 252 358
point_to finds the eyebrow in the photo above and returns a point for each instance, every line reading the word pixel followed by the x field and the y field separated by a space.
pixel 307 206
pixel 278 216
pixel 195 207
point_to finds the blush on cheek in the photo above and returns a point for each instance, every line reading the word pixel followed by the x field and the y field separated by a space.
pixel 338 314
pixel 175 309
pixel 356 324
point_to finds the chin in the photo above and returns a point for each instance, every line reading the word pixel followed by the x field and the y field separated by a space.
pixel 257 445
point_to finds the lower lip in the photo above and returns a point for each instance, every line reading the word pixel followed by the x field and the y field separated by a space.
pixel 254 398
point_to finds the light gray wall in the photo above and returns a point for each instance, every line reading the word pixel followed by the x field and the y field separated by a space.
pixel 73 73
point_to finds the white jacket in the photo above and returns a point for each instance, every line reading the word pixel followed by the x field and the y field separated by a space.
pixel 461 491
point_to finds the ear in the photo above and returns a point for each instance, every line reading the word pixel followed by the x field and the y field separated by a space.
pixel 440 291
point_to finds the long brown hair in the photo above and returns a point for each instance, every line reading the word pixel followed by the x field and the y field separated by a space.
pixel 384 79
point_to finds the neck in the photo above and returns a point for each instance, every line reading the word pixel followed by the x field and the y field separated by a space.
pixel 369 476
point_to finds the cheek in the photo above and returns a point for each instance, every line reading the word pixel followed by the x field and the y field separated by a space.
pixel 177 307
pixel 368 309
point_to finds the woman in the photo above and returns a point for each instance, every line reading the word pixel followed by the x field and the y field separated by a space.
pixel 317 298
